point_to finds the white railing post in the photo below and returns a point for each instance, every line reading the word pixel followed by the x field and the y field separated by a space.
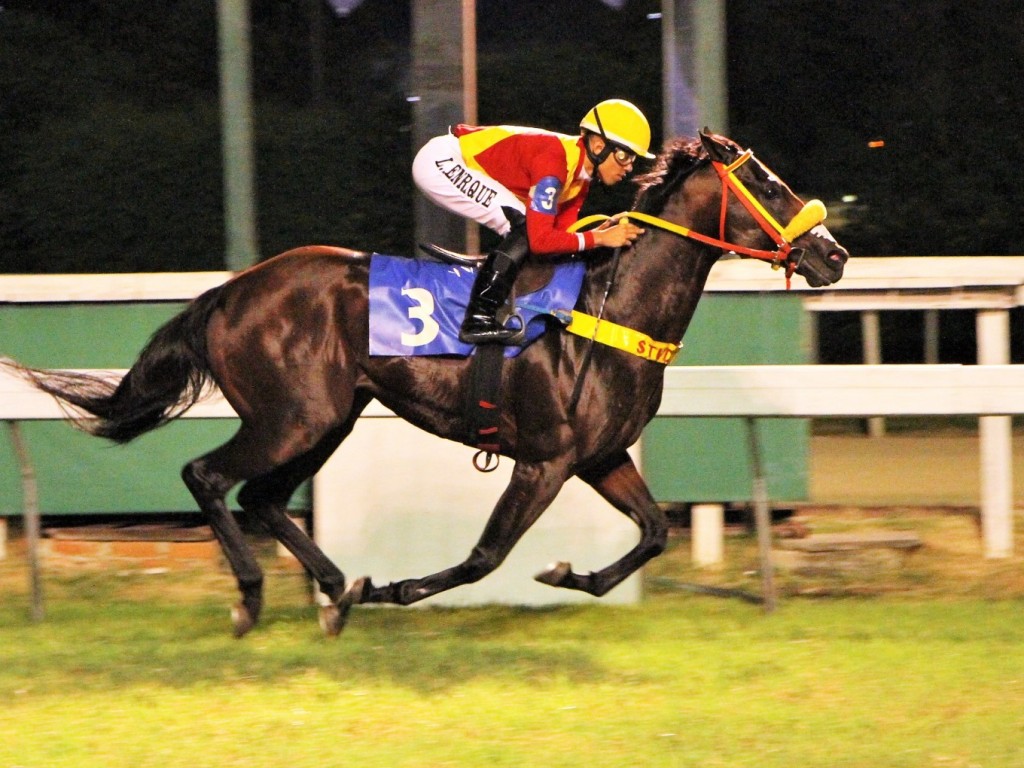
pixel 707 527
pixel 871 331
pixel 995 434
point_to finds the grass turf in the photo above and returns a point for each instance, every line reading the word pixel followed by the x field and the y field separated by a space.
pixel 140 670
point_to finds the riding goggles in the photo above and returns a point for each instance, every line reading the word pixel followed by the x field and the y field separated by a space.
pixel 624 157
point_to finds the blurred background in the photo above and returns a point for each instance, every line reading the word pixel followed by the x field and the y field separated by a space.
pixel 904 117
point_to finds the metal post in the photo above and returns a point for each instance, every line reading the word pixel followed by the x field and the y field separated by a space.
pixel 694 92
pixel 30 506
pixel 438 102
pixel 317 48
pixel 241 250
pixel 711 64
pixel 813 336
pixel 931 336
pixel 469 97
pixel 762 518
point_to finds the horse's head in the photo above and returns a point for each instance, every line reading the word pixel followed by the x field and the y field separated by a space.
pixel 764 219
pixel 730 193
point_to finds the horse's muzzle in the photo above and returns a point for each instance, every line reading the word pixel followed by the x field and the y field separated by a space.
pixel 821 265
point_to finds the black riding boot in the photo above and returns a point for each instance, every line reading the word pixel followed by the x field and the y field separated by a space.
pixel 492 288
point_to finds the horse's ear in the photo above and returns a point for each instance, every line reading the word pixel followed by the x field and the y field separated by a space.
pixel 717 150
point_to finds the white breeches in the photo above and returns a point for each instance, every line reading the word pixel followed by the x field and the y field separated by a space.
pixel 441 174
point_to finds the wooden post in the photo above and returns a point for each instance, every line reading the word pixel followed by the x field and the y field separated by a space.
pixel 30 505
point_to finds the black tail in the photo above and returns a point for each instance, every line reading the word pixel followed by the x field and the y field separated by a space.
pixel 168 378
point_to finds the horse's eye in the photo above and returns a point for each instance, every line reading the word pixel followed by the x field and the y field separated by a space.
pixel 771 192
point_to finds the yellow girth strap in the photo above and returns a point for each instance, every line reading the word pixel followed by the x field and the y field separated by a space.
pixel 619 336
pixel 612 334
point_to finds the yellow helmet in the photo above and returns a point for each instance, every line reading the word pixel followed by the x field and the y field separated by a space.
pixel 621 122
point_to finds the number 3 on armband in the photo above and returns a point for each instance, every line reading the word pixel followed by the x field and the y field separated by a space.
pixel 422 311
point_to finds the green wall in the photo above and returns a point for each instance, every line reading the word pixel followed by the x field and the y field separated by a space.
pixel 81 474
pixel 694 460
pixel 684 460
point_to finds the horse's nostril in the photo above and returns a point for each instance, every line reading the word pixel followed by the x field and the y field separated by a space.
pixel 837 256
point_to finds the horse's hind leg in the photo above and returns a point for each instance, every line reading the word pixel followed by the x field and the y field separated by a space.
pixel 530 491
pixel 266 497
pixel 619 482
pixel 317 564
pixel 247 455
pixel 209 485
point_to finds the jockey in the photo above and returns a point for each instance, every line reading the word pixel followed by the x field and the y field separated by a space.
pixel 528 186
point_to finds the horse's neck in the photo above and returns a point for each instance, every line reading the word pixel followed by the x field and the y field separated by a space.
pixel 656 287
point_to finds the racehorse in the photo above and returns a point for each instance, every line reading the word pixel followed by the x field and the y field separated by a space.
pixel 286 342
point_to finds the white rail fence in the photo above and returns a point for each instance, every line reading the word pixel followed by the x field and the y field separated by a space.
pixel 993 390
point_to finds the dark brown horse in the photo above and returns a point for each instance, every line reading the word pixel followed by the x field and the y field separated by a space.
pixel 287 343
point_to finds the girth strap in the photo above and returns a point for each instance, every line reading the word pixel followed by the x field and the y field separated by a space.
pixel 619 336
pixel 483 405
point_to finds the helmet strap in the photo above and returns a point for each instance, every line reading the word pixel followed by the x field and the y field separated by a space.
pixel 598 157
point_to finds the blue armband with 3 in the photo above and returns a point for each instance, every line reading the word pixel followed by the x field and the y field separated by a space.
pixel 544 195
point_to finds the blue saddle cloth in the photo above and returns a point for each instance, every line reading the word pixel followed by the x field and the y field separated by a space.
pixel 416 307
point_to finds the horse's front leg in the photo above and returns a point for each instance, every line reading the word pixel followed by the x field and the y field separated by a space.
pixel 625 490
pixel 531 490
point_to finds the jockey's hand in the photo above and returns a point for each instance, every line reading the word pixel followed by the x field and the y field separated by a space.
pixel 616 232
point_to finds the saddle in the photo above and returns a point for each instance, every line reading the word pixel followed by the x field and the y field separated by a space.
pixel 417 306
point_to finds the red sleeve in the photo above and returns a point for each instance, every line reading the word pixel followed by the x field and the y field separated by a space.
pixel 531 166
pixel 548 235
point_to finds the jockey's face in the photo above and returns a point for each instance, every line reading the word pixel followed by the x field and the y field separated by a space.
pixel 616 166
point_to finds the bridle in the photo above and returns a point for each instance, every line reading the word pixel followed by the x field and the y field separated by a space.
pixel 809 216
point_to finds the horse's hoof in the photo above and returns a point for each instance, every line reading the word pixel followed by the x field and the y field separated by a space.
pixel 554 574
pixel 241 620
pixel 333 617
pixel 331 620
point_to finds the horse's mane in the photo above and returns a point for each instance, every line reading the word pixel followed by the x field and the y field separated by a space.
pixel 680 157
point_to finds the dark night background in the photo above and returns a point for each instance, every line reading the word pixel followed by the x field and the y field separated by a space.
pixel 110 149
